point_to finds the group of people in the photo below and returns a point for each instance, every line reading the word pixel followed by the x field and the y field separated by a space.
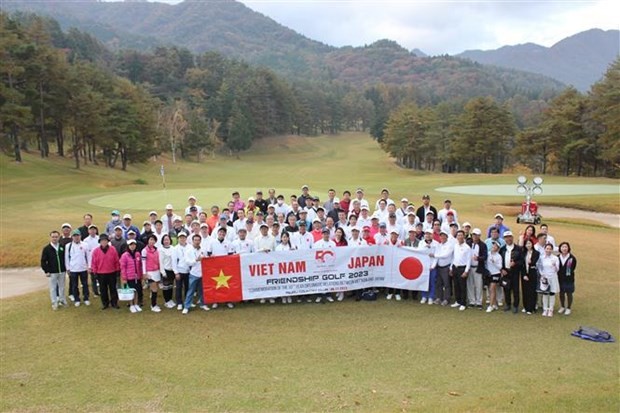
pixel 526 270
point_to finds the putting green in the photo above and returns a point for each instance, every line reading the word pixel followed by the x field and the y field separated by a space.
pixel 157 200
pixel 548 190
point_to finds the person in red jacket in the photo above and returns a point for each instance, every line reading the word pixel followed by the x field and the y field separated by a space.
pixel 131 273
pixel 367 237
pixel 105 264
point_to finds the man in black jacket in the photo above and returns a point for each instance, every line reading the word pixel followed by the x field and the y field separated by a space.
pixel 477 269
pixel 425 208
pixel 53 265
pixel 512 261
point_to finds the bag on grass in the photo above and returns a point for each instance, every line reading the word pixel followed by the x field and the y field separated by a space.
pixel 593 334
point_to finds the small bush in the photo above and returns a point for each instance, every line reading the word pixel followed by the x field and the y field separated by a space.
pixel 140 181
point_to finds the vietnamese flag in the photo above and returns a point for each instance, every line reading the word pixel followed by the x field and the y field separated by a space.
pixel 221 279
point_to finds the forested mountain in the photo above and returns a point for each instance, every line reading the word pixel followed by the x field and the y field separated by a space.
pixel 579 60
pixel 234 30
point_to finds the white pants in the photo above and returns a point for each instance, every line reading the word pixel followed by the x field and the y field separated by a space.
pixel 474 287
pixel 57 280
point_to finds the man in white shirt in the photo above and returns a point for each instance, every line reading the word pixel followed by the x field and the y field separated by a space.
pixel 410 221
pixel 444 253
pixel 92 242
pixel 223 223
pixel 264 242
pixel 382 237
pixel 192 203
pixel 302 239
pixel 429 245
pixel 180 269
pixel 364 219
pixel 76 261
pixel 324 243
pixel 448 221
pixel 428 221
pixel 385 195
pixel 359 195
pixel 193 259
pixel 242 245
pixel 392 226
pixel 281 207
pixel 240 221
pixel 381 210
pixel 167 219
pixel 356 240
pixel 447 207
pixel 544 229
pixel 461 263
pixel 401 212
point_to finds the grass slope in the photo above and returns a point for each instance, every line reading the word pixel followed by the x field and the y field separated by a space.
pixel 381 356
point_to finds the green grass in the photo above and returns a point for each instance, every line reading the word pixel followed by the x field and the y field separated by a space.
pixel 381 356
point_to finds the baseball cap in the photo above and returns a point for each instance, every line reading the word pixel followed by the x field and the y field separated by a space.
pixel 355 229
pixel 104 237
pixel 499 216
pixel 204 225
pixel 316 220
pixel 118 227
pixel 359 190
pixel 411 229
pixel 177 218
pixel 325 230
pixel 115 212
pixel 152 213
pixel 365 207
pixel 223 217
pixel 404 200
pixel 394 231
pixel 76 232
pixel 411 213
pixel 450 213
pixel 251 199
pixel 264 225
pixel 304 187
pixel 131 241
pixel 374 217
pixel 127 216
pixel 191 197
pixel 301 223
pixel 169 206
pixel 467 224
pixel 507 234
pixel 66 225
pixel 147 222
pixel 428 231
pixel 426 196
pixel 366 228
pixel 93 226
pixel 182 234
pixel 303 211
pixel 382 225
pixel 443 232
pixel 476 231
pixel 392 216
pixel 131 231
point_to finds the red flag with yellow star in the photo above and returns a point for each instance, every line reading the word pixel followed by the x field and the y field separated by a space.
pixel 221 279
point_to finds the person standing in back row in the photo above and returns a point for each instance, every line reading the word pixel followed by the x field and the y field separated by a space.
pixel 53 265
pixel 105 265
pixel 425 208
pixel 76 261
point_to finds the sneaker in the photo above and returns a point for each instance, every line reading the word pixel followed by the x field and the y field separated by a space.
pixel 430 302
pixel 230 305
pixel 299 300
pixel 156 309
pixel 561 310
pixel 423 300
pixel 388 297
pixel 329 298
pixel 523 311
pixel 87 302
pixel 133 309
pixel 62 304
pixel 398 297
pixel 437 301
pixel 340 296
pixel 444 303
pixel 549 313
pixel 185 311
pixel 138 308
pixel 203 307
pixel 544 313
pixel 528 312
pixel 495 307
pixel 170 304
pixel 318 300
pixel 214 306
pixel 77 304
pixel 71 297
pixel 263 301
pixel 54 307
pixel 462 308
pixel 193 305
pixel 283 300
pixel 500 303
pixel 309 300
pixel 290 300
pixel 272 301
pixel 490 309
pixel 456 305
pixel 567 311
pixel 179 307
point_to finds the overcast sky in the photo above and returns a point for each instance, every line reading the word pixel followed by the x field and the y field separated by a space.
pixel 438 27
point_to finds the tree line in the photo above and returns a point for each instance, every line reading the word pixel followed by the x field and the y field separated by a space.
pixel 68 90
pixel 573 133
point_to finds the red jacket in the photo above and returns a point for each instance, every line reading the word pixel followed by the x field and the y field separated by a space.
pixel 105 262
pixel 131 267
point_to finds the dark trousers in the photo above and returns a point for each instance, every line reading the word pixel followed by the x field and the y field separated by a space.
pixel 75 278
pixel 442 287
pixel 182 285
pixel 460 285
pixel 511 293
pixel 137 285
pixel 167 285
pixel 529 293
pixel 95 283
pixel 394 291
pixel 109 295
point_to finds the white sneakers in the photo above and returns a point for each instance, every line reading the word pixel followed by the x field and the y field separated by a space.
pixel 272 301
pixel 388 297
pixel 214 306
pixel 423 300
pixel 132 308
pixel 547 313
pixel 263 301
pixel 318 299
pixel 567 311
pixel 170 304
pixel 179 307
pixel 185 311
pixel 156 309
pixel 490 309
pixel 329 298
pixel 77 304
pixel 455 305
pixel 462 308
pixel 87 303
pixel 290 300
pixel 230 305
pixel 561 310
pixel 204 307
pixel 71 297
pixel 398 298
pixel 340 296
pixel 430 302
pixel 54 307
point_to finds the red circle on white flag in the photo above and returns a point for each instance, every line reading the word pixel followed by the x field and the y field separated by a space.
pixel 411 268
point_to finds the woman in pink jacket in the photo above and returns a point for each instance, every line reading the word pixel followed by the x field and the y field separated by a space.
pixel 150 267
pixel 131 273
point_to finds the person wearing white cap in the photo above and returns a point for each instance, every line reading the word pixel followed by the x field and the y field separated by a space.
pixel 359 196
pixel 355 240
pixel 409 221
pixel 193 258
pixel 192 203
pixel 448 221
pixel 153 217
pixel 512 257
pixel 477 269
pixel 180 269
pixel 65 234
pixel 265 242
pixel 466 227
pixel 76 262
pixel 392 226
pixel 429 221
pixel 127 225
pixel 428 246
pixel 364 220
pixel 401 213
pixel 243 245
pixel 499 224
pixel 167 219
pixel 444 253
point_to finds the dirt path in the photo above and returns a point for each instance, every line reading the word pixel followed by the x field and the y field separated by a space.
pixel 612 220
pixel 18 281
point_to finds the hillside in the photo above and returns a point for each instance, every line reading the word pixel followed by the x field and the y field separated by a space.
pixel 234 30
pixel 578 60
